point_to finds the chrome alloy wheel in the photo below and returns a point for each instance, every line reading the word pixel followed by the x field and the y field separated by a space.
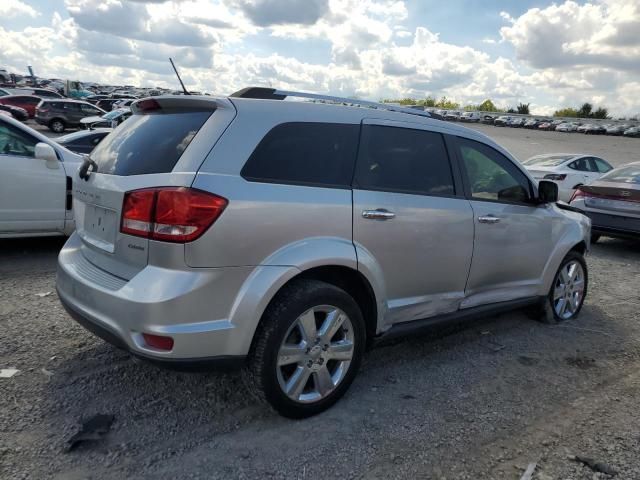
pixel 315 355
pixel 568 291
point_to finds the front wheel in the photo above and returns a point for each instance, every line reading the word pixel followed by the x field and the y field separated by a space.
pixel 569 287
pixel 308 348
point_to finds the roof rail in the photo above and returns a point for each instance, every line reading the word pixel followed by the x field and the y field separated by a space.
pixel 275 94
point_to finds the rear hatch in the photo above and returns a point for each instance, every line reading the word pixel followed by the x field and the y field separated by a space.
pixel 162 144
pixel 619 198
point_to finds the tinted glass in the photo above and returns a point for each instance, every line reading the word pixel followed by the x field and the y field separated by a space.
pixel 582 165
pixel 601 165
pixel 403 160
pixel 302 153
pixel 628 174
pixel 151 143
pixel 14 141
pixel 492 176
pixel 547 160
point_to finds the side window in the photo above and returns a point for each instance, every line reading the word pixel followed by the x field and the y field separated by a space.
pixel 582 165
pixel 88 109
pixel 403 160
pixel 72 107
pixel 601 165
pixel 14 141
pixel 315 154
pixel 491 175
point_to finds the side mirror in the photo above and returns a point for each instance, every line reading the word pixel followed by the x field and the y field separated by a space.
pixel 44 151
pixel 547 191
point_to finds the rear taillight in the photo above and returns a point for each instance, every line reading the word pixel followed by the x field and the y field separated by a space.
pixel 170 214
pixel 556 176
pixel 158 342
pixel 577 194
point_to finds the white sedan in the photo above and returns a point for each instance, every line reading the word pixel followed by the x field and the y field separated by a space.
pixel 568 170
pixel 35 183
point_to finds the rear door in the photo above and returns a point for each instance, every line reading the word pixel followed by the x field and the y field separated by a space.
pixel 512 235
pixel 161 145
pixel 411 220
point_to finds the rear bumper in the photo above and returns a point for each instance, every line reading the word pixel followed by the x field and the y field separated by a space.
pixel 191 306
pixel 614 225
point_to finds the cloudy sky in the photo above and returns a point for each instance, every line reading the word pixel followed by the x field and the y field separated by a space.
pixel 549 54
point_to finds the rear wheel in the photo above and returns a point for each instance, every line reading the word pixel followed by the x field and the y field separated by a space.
pixel 56 125
pixel 308 348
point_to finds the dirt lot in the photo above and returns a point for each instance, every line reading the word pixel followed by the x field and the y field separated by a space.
pixel 481 402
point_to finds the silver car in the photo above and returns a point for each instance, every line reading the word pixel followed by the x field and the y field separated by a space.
pixel 612 202
pixel 288 236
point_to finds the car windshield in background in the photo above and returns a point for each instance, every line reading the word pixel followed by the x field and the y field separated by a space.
pixel 547 161
pixel 151 143
pixel 111 115
pixel 628 174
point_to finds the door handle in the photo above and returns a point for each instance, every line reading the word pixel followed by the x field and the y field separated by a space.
pixel 379 214
pixel 488 219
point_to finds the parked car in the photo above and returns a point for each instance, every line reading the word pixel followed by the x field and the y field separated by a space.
pixel 452 116
pixel 110 119
pixel 583 127
pixel 123 102
pixel 532 123
pixel 16 112
pixel 516 122
pixel 502 121
pixel 38 92
pixel 567 170
pixel 26 102
pixel 59 115
pixel 544 126
pixel 35 183
pixel 83 141
pixel 612 130
pixel 594 129
pixel 567 127
pixel 487 119
pixel 632 132
pixel 173 260
pixel 107 104
pixel 470 117
pixel 612 203
pixel 4 92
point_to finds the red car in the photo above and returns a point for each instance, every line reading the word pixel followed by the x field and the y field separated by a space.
pixel 27 102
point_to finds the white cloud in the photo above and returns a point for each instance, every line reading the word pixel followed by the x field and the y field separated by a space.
pixel 281 12
pixel 16 8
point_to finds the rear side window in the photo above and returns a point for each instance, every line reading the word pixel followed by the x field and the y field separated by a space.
pixel 403 160
pixel 151 143
pixel 301 153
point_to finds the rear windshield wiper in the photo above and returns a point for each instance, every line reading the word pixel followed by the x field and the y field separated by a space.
pixel 84 169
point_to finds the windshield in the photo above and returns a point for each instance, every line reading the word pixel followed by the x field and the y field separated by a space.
pixel 111 115
pixel 151 143
pixel 547 160
pixel 628 174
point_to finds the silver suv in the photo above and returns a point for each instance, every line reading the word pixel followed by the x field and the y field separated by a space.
pixel 288 236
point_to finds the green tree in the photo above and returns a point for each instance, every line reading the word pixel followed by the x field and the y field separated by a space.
pixel 585 110
pixel 523 108
pixel 488 106
pixel 601 113
pixel 511 110
pixel 566 112
pixel 447 104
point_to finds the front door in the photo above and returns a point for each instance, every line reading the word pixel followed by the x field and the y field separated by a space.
pixel 410 223
pixel 32 196
pixel 512 234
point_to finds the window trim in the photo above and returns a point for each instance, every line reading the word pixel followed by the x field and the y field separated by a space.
pixel 299 183
pixel 455 174
pixel 457 141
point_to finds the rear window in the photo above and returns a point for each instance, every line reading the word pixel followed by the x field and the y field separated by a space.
pixel 547 160
pixel 151 143
pixel 628 174
pixel 315 154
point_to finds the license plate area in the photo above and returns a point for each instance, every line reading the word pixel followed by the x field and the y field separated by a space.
pixel 100 227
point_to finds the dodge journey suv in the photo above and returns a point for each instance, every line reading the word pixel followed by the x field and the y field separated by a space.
pixel 285 237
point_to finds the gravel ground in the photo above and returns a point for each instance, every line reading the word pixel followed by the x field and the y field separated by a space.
pixel 480 402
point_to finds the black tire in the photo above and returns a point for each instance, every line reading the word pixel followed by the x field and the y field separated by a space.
pixel 595 237
pixel 261 374
pixel 546 312
pixel 57 125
